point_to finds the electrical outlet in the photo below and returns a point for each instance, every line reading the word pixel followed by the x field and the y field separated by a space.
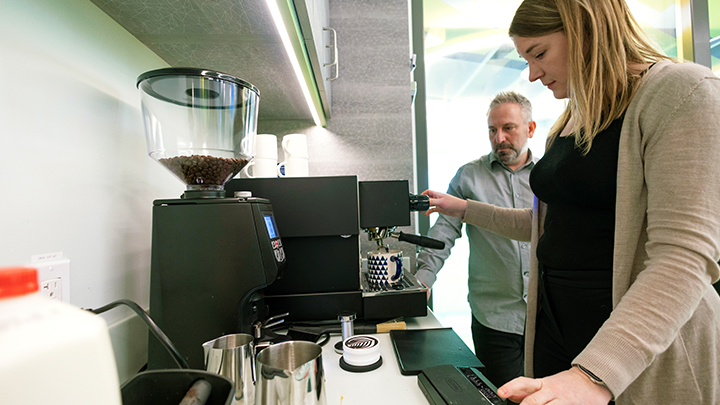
pixel 52 288
pixel 54 278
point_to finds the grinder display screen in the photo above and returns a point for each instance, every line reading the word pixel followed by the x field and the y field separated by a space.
pixel 270 225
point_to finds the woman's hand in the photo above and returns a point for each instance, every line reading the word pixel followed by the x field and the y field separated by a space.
pixel 428 290
pixel 570 387
pixel 445 204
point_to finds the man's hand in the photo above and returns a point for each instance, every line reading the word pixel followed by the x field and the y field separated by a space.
pixel 445 204
pixel 570 387
pixel 428 290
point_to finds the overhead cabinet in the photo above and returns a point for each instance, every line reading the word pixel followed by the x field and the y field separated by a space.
pixel 239 37
pixel 321 44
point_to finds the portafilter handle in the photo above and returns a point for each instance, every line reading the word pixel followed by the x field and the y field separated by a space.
pixel 419 202
pixel 419 240
pixel 379 235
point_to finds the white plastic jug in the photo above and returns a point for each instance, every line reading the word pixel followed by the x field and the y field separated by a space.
pixel 51 352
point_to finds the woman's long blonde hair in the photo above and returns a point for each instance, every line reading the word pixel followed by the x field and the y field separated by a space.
pixel 603 40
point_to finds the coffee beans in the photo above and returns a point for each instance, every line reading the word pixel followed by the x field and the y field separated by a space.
pixel 202 169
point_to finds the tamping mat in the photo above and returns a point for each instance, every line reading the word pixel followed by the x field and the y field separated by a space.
pixel 418 349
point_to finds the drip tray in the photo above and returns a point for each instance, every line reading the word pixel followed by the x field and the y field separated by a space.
pixel 408 284
pixel 406 299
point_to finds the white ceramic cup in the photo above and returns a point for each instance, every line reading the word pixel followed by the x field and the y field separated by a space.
pixel 246 145
pixel 266 146
pixel 259 167
pixel 295 145
pixel 293 167
pixel 385 267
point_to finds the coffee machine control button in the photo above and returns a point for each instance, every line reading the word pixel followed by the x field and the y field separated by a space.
pixel 279 254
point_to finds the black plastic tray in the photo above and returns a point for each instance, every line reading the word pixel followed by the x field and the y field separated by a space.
pixel 418 349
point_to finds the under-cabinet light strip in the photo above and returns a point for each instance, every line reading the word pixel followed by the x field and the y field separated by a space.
pixel 282 30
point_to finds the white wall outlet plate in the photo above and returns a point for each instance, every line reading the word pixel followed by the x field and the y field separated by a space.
pixel 52 288
pixel 54 279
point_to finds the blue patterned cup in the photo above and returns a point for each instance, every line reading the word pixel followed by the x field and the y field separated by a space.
pixel 385 267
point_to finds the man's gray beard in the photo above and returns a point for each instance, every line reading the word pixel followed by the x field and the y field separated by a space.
pixel 508 158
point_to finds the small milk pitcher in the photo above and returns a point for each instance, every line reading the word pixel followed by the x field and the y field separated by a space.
pixel 290 373
pixel 232 356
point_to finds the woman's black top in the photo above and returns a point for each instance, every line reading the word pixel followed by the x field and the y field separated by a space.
pixel 575 252
pixel 579 191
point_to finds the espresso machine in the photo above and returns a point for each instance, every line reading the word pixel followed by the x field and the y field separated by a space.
pixel 212 254
pixel 322 220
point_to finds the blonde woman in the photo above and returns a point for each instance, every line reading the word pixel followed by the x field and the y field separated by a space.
pixel 625 231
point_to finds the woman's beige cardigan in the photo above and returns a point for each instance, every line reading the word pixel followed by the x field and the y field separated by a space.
pixel 661 344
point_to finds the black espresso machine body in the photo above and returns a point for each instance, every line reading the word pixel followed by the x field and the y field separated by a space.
pixel 210 259
pixel 320 219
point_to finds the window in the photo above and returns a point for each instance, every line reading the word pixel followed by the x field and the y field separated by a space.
pixel 714 14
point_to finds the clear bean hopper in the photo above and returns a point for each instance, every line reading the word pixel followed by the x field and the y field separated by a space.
pixel 199 124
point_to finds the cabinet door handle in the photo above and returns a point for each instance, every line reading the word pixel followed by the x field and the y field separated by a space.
pixel 335 54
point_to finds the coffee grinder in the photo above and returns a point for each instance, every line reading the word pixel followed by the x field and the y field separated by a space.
pixel 211 254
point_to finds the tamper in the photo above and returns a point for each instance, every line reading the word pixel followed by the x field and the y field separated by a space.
pixel 346 319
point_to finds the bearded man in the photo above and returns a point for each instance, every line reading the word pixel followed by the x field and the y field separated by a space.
pixel 498 267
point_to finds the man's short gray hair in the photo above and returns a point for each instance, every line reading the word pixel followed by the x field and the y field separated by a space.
pixel 513 97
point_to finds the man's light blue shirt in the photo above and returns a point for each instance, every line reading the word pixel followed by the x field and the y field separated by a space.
pixel 498 267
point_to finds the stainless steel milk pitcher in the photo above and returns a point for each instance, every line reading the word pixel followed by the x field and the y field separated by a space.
pixel 232 356
pixel 290 373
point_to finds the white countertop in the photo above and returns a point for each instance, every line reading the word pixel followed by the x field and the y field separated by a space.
pixel 383 386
